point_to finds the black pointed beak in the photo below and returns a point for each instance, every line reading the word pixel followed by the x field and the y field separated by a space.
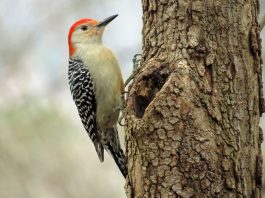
pixel 106 21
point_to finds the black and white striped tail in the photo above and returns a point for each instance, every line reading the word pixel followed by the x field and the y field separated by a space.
pixel 119 159
pixel 111 143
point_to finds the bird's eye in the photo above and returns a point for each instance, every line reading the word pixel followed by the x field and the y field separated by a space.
pixel 84 27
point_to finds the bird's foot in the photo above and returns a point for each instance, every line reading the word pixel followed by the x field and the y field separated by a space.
pixel 122 108
pixel 136 62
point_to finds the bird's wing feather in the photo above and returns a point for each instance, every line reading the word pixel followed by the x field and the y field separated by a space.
pixel 82 89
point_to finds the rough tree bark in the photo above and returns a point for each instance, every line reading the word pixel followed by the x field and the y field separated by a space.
pixel 194 106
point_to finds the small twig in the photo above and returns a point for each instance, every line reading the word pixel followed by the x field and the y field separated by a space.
pixel 262 22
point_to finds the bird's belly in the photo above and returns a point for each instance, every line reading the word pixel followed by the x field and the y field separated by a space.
pixel 108 104
pixel 107 80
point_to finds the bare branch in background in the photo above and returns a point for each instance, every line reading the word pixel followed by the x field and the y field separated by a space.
pixel 262 22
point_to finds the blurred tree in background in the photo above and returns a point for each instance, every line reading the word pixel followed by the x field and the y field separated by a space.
pixel 44 150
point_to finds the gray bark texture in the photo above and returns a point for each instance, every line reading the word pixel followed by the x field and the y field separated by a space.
pixel 192 125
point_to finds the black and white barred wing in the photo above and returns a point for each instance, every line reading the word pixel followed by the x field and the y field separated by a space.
pixel 82 89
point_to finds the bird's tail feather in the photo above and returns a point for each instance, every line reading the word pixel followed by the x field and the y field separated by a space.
pixel 120 160
pixel 114 149
pixel 100 150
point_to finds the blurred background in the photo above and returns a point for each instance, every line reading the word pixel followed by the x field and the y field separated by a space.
pixel 44 150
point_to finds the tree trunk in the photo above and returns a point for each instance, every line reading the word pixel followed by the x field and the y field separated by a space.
pixel 195 103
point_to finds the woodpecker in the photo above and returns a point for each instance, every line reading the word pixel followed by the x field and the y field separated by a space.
pixel 96 85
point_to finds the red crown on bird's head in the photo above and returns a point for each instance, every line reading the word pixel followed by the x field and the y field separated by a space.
pixel 74 26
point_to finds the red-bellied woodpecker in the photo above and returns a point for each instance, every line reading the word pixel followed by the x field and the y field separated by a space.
pixel 96 85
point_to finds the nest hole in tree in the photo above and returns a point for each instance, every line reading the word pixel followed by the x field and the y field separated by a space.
pixel 147 89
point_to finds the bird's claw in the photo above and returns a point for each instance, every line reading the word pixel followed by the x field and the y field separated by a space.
pixel 122 108
pixel 136 61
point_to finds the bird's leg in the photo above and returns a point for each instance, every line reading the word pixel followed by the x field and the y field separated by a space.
pixel 122 108
pixel 136 61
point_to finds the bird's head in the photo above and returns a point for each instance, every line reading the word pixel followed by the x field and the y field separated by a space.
pixel 86 31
